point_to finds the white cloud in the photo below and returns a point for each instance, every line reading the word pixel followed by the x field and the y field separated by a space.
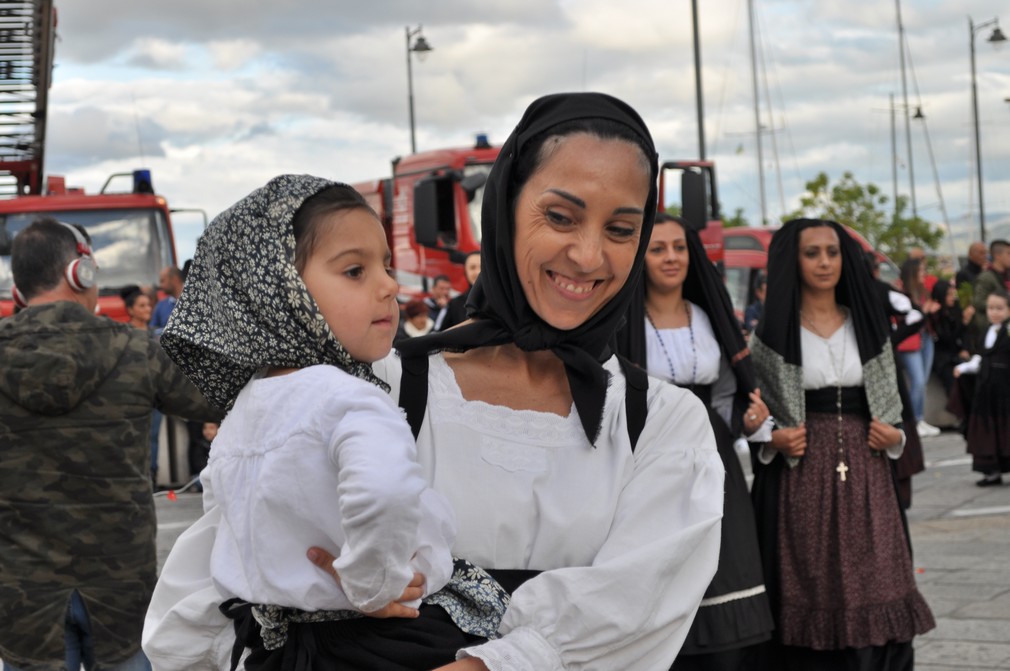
pixel 233 54
pixel 225 95
pixel 157 54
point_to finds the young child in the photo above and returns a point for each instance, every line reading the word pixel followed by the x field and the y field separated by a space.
pixel 289 300
pixel 989 421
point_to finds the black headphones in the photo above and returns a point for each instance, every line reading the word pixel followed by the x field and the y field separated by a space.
pixel 80 272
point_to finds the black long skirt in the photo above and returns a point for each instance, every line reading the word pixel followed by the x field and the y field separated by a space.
pixel 735 618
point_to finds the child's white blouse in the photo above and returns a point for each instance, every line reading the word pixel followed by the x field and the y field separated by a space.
pixel 319 457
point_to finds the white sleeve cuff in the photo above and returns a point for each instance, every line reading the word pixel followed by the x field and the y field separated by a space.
pixel 763 434
pixel 895 451
pixel 522 649
pixel 899 301
pixel 970 366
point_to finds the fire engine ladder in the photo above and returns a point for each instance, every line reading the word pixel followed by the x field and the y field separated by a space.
pixel 27 39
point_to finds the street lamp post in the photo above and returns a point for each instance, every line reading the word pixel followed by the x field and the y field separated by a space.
pixel 996 36
pixel 421 48
pixel 697 80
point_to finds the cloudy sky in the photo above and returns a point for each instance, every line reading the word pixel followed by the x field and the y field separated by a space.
pixel 218 97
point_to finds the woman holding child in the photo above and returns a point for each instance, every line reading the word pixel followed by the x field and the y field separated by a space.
pixel 590 492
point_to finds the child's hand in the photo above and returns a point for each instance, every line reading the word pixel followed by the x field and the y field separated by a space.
pixel 957 372
pixel 413 591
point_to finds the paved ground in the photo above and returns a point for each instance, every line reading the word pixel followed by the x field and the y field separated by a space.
pixel 961 540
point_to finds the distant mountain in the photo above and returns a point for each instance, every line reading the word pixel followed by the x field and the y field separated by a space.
pixel 965 231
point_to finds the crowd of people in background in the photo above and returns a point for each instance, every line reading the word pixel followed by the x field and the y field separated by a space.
pixel 980 388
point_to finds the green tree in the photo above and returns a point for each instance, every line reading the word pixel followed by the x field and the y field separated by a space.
pixel 737 220
pixel 865 208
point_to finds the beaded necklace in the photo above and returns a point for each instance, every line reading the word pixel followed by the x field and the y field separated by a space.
pixel 841 468
pixel 666 353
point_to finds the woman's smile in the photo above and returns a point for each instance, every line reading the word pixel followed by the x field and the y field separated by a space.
pixel 576 289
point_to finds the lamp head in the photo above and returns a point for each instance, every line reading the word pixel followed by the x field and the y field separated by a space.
pixel 997 36
pixel 421 48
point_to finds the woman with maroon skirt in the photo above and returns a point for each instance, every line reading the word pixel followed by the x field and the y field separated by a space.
pixel 834 539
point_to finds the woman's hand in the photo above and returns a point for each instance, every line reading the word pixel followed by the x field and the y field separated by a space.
pixel 413 591
pixel 883 436
pixel 465 664
pixel 967 314
pixel 756 413
pixel 957 372
pixel 790 442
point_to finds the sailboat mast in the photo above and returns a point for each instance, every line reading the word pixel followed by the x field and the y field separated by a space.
pixel 757 114
pixel 904 92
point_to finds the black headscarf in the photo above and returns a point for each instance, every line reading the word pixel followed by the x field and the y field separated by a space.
pixel 497 300
pixel 704 287
pixel 776 345
pixel 244 306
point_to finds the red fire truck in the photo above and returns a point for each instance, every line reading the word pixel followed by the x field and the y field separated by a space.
pixel 131 234
pixel 431 208
pixel 131 230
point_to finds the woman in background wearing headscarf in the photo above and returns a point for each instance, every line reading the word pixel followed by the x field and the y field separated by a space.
pixel 591 493
pixel 681 328
pixel 826 494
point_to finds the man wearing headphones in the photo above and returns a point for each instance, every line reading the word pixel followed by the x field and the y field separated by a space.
pixel 77 518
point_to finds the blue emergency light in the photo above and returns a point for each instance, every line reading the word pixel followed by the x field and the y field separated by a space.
pixel 142 181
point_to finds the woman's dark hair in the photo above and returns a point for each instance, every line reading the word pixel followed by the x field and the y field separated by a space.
pixel 336 198
pixel 871 263
pixel 130 294
pixel 539 148
pixel 910 279
pixel 939 291
pixel 415 307
pixel 664 218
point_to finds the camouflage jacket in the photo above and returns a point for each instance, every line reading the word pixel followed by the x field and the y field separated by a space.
pixel 76 509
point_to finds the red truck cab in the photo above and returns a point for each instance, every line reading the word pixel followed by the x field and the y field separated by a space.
pixel 131 235
pixel 430 209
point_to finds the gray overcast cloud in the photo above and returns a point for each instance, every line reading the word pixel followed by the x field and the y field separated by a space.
pixel 216 98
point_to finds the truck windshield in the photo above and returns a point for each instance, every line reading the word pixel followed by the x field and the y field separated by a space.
pixel 131 245
pixel 477 200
